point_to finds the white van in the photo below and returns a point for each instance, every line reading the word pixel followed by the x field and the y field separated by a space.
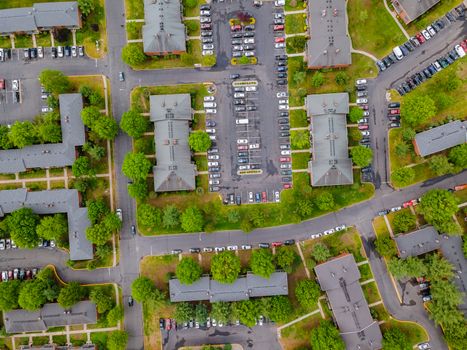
pixel 250 88
pixel 210 104
pixel 398 52
pixel 242 121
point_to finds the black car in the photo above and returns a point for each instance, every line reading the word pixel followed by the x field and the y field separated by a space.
pixel 282 75
pixel 33 53
pixel 242 160
pixel 420 76
pixel 427 73
pixel 238 199
pixel 381 65
pixel 251 108
pixel 284 127
pixel 387 62
pixel 242 154
pixel 234 76
pixel 400 90
pixel 281 57
pixel 409 46
pixel 214 169
pixel 249 34
pixel 394 105
pixel 205 7
pixel 67 51
pixel 161 323
pixel 284 114
pixel 133 230
pixel 281 69
pixel 284 134
pixel 54 52
pixel 366 169
pixel 392 57
pixel 207 40
pixel 206 33
pixel 195 250
pixel 282 82
pixel 361 87
pixel 404 50
pixel 130 301
pixel 286 172
pixel 286 179
pixel 289 242
pixel 283 121
pixel 281 63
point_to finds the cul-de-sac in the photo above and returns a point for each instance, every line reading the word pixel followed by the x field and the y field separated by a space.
pixel 233 174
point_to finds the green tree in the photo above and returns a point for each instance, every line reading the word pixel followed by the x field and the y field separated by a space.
pixel 117 340
pixel 105 127
pixel 49 132
pixel 262 263
pixel 98 234
pixel 395 339
pixel 9 292
pixel 209 60
pixel 342 78
pixel 437 207
pixel 201 313
pixel 22 225
pixel 326 337
pixel 82 167
pixel 320 252
pixel 149 216
pixel 446 293
pixel 456 335
pixel 221 312
pixel 286 258
pixel 386 246
pixel 112 222
pixel 70 295
pixel 199 141
pixel 457 155
pixel 225 267
pixel 361 156
pixel 244 60
pixel 403 176
pixel 138 189
pixel 136 166
pixel 52 227
pixel 402 149
pixel 408 134
pixel 438 267
pixel 184 312
pixel 300 139
pixel 410 267
pixel 115 315
pixel 22 134
pixel 5 142
pixel 192 220
pixel 54 81
pixel 279 308
pixel 355 114
pixel 95 151
pixel 247 312
pixel 440 165
pixel 133 123
pixel 307 293
pixel 102 299
pixel 143 289
pixel 325 201
pixel 86 6
pixel 444 315
pixel 170 216
pixel 188 271
pixel 233 216
pixel 304 208
pixel 31 296
pixel 90 115
pixel 299 77
pixel 355 135
pixel 417 109
pixel 133 55
pixel 97 210
pixel 317 80
pixel 404 221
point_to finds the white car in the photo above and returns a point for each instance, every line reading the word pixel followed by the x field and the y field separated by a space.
pixel 249 41
pixel 239 95
pixel 246 247
pixel 244 167
pixel 328 232
pixel 283 102
pixel 205 20
pixel 60 51
pixel 277 196
pixel 315 235
pixel 205 13
pixel 365 133
pixel 2 244
pixel 426 34
pixel 242 141
pixel 249 53
pixel 208 98
pixel 15 85
pixel 119 214
pixel 250 88
pixel 213 163
pixel 250 197
pixel 46 109
pixel 340 228
pixel 424 346
pixel 366 113
pixel 211 131
pixel 232 247
pixel 74 51
pixel 237 48
pixel 286 152
pixel 282 94
pixel 431 30
pixel 278 3
pixel 207 52
pixel 254 146
pixel 212 137
pixel 279 45
pixel 208 46
pixel 393 210
pixel 438 66
pixel 210 104
pixel 213 157
pixel 281 107
pixel 214 182
pixel 286 166
pixel 218 249
pixel 361 82
pixel 211 110
pixel 362 100
pixel 40 52
pixel 460 51
pixel 207 249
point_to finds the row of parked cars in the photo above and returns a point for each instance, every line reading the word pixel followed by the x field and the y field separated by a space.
pixel 5 54
pixel 18 274
pixel 243 40
pixel 7 243
pixel 59 51
pixel 362 102
pixel 399 52
pixel 394 114
pixel 439 64
pixel 328 232
pixel 206 27
pixel 168 324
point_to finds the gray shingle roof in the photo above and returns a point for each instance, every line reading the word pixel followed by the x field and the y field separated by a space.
pixel 52 154
pixel 441 138
pixel 243 288
pixel 163 31
pixel 51 202
pixel 174 170
pixel 409 10
pixel 330 164
pixel 339 278
pixel 418 242
pixel 51 315
pixel 40 16
pixel 329 44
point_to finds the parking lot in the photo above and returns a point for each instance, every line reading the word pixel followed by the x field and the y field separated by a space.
pixel 247 132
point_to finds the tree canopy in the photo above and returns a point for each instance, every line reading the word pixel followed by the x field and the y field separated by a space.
pixel 355 114
pixel 326 337
pixel 225 267
pixel 97 210
pixel 320 252
pixel 221 311
pixel 386 246
pixel 440 165
pixel 184 312
pixel 143 289
pixel 307 293
pixel 279 308
pixel 394 339
pixel 188 271
pixel 361 156
pixel 417 109
pixel 133 55
pixel 9 292
pixel 138 189
pixel 325 201
pixel 70 295
pixel 192 220
pixel 54 81
pixel 22 224
pixel 82 167
pixel 437 207
pixel 403 176
pixel 199 141
pixel 133 123
pixel 22 134
pixel 136 166
pixel 148 215
pixel 247 312
pixel 286 258
pixel 170 216
pixel 117 340
pixel 52 227
pixel 458 156
pixel 86 6
pixel 101 298
pixel 262 263
pixel 404 221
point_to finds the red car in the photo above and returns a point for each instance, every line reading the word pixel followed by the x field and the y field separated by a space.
pixel 363 127
pixel 279 27
pixel 276 244
pixel 242 147
pixel 235 27
pixel 2 84
pixel 421 39
pixel 264 197
pixel 395 111
pixel 284 159
pixel 167 324
pixel 364 107
pixel 410 203
pixel 464 45
pixel 279 40
pixel 286 186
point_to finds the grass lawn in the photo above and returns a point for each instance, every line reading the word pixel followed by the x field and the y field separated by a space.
pixel 43 39
pixel 380 227
pixel 57 184
pixel 398 161
pixel 294 5
pixel 94 28
pixel 297 336
pixel 134 30
pixel 365 272
pixel 192 27
pixel 362 66
pixel 145 144
pixel 140 95
pixel 462 195
pixel 300 160
pixel 372 28
pixel 201 163
pixel 191 12
pixel 435 12
pixel 298 118
pixel 295 44
pixel 134 9
pixel 5 42
pixel 380 313
pixel 295 23
pixel 199 121
pixel 415 333
pixel 13 186
pixel 34 173
pixel 370 290
pixel 23 41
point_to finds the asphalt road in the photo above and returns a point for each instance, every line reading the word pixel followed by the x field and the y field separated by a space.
pixel 132 249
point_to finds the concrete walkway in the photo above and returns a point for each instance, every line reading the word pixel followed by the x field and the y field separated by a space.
pixel 302 54
pixel 367 54
pixel 300 128
pixel 194 37
pixel 393 15
pixel 297 108
pixel 134 41
pixel 139 20
pixel 195 18
pixel 295 321
pixel 295 12
pixel 295 34
pixel 301 150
